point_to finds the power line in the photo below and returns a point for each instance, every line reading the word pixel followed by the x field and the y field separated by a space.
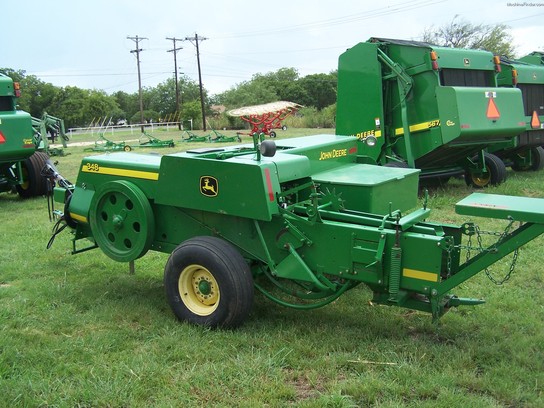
pixel 194 41
pixel 137 40
pixel 364 15
pixel 174 51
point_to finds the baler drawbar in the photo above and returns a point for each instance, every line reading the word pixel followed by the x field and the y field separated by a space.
pixel 298 219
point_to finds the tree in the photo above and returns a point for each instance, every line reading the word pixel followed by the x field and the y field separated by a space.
pixel 149 116
pixel 68 104
pixel 128 103
pixel 247 94
pixel 192 111
pixel 320 90
pixel 284 83
pixel 162 98
pixel 40 96
pixel 97 105
pixel 463 34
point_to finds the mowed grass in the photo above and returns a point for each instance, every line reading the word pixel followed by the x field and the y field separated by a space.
pixel 80 331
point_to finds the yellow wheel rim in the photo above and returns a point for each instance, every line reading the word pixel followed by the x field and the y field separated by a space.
pixel 199 290
pixel 481 181
pixel 26 182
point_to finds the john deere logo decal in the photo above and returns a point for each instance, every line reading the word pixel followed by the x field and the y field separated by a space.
pixel 209 186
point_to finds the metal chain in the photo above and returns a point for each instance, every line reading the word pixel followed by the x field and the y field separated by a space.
pixel 470 230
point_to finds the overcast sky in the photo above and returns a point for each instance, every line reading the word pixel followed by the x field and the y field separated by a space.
pixel 85 44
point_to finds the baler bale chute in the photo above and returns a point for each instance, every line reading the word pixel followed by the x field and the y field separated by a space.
pixel 417 105
pixel 526 151
pixel 267 117
pixel 300 220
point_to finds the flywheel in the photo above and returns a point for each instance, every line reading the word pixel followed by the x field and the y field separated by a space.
pixel 121 220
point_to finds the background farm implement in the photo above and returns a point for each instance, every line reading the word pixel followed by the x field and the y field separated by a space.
pixel 263 119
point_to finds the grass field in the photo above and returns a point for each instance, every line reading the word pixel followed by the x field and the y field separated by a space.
pixel 80 331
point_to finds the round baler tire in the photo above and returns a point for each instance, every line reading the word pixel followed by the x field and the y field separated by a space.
pixel 537 159
pixel 34 184
pixel 537 155
pixel 496 174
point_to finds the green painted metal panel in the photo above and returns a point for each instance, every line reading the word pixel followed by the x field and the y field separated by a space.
pixel 323 151
pixel 536 58
pixel 16 135
pixel 372 189
pixel 6 87
pixel 141 169
pixel 235 186
pixel 502 207
pixel 464 58
pixel 16 142
pixel 529 79
pixel 469 115
pixel 526 73
pixel 360 96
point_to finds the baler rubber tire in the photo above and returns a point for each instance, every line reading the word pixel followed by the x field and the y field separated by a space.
pixel 226 296
pixel 537 154
pixel 497 173
pixel 34 184
pixel 537 160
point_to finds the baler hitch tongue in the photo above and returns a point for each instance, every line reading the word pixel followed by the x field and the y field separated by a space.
pixel 53 177
pixel 528 212
pixel 50 172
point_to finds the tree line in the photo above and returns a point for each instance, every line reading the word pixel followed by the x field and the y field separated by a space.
pixel 82 107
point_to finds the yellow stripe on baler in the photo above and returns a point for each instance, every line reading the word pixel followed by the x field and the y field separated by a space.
pixel 78 217
pixel 112 171
pixel 419 127
pixel 415 274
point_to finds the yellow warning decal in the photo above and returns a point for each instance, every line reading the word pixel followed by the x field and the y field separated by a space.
pixel 415 274
pixel 419 127
pixel 112 171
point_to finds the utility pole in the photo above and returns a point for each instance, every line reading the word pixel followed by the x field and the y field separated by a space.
pixel 195 43
pixel 175 50
pixel 137 40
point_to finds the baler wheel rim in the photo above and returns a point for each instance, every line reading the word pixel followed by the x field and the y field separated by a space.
pixel 199 289
pixel 480 181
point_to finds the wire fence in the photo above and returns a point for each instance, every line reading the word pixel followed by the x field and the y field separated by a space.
pixel 132 128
